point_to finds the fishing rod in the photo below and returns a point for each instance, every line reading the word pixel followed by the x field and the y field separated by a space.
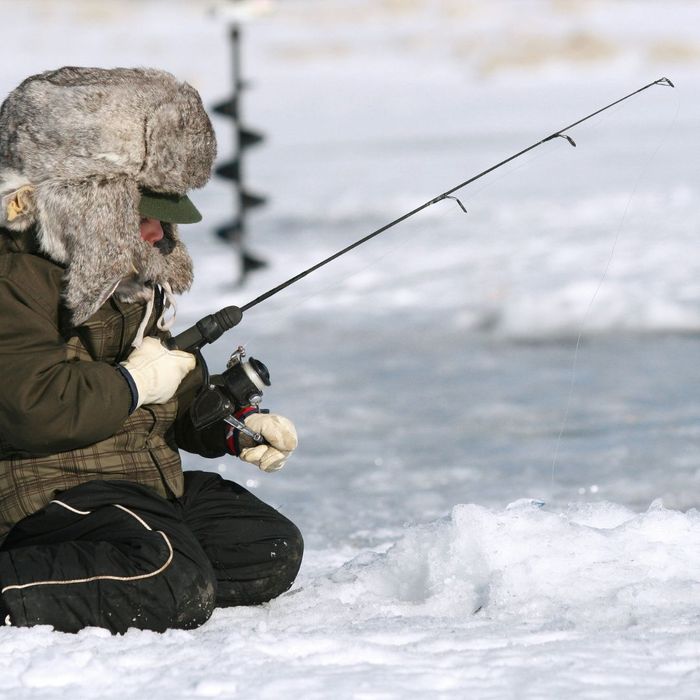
pixel 222 397
pixel 210 328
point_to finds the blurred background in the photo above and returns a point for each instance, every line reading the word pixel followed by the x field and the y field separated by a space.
pixel 545 344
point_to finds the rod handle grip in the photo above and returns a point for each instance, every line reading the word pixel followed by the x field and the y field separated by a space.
pixel 206 330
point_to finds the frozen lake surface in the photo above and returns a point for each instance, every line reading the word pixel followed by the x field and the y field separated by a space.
pixel 499 415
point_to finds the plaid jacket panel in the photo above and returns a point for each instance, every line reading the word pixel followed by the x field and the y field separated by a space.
pixel 137 452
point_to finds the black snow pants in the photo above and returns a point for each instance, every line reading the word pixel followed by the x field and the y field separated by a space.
pixel 114 554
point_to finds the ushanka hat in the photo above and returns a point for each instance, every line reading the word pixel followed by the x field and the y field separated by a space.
pixel 79 147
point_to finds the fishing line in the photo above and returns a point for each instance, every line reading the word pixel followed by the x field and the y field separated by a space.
pixel 644 168
pixel 533 157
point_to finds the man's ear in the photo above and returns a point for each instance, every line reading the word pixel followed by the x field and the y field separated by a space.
pixel 17 208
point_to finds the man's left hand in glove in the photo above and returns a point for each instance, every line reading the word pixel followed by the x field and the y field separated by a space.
pixel 280 438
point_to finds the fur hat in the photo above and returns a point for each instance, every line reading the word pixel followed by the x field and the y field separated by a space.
pixel 76 147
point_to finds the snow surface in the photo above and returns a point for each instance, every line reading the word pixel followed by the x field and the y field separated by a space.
pixel 498 412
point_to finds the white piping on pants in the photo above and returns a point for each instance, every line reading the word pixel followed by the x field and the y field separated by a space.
pixel 75 510
pixel 104 577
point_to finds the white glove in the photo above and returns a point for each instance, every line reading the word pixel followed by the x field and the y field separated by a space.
pixel 157 371
pixel 281 435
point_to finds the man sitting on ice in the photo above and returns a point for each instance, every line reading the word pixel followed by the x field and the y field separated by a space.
pixel 99 523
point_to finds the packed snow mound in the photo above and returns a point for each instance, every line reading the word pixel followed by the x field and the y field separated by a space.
pixel 598 564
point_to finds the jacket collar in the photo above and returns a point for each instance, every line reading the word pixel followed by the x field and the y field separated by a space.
pixel 19 242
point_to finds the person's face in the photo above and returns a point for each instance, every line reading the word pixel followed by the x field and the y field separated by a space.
pixel 151 230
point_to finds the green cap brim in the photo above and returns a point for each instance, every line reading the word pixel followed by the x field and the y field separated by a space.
pixel 171 208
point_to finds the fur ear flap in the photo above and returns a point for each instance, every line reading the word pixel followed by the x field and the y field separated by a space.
pixel 93 224
pixel 92 227
pixel 17 205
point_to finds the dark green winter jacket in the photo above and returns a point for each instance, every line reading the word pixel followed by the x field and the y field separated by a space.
pixel 64 407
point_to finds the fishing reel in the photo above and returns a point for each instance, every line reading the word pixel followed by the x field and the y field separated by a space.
pixel 240 385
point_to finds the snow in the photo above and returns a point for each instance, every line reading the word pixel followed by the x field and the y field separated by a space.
pixel 482 602
pixel 498 470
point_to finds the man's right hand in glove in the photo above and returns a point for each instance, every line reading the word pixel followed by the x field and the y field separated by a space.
pixel 154 372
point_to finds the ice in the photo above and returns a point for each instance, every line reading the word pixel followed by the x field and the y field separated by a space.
pixel 498 470
pixel 522 563
pixel 479 601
